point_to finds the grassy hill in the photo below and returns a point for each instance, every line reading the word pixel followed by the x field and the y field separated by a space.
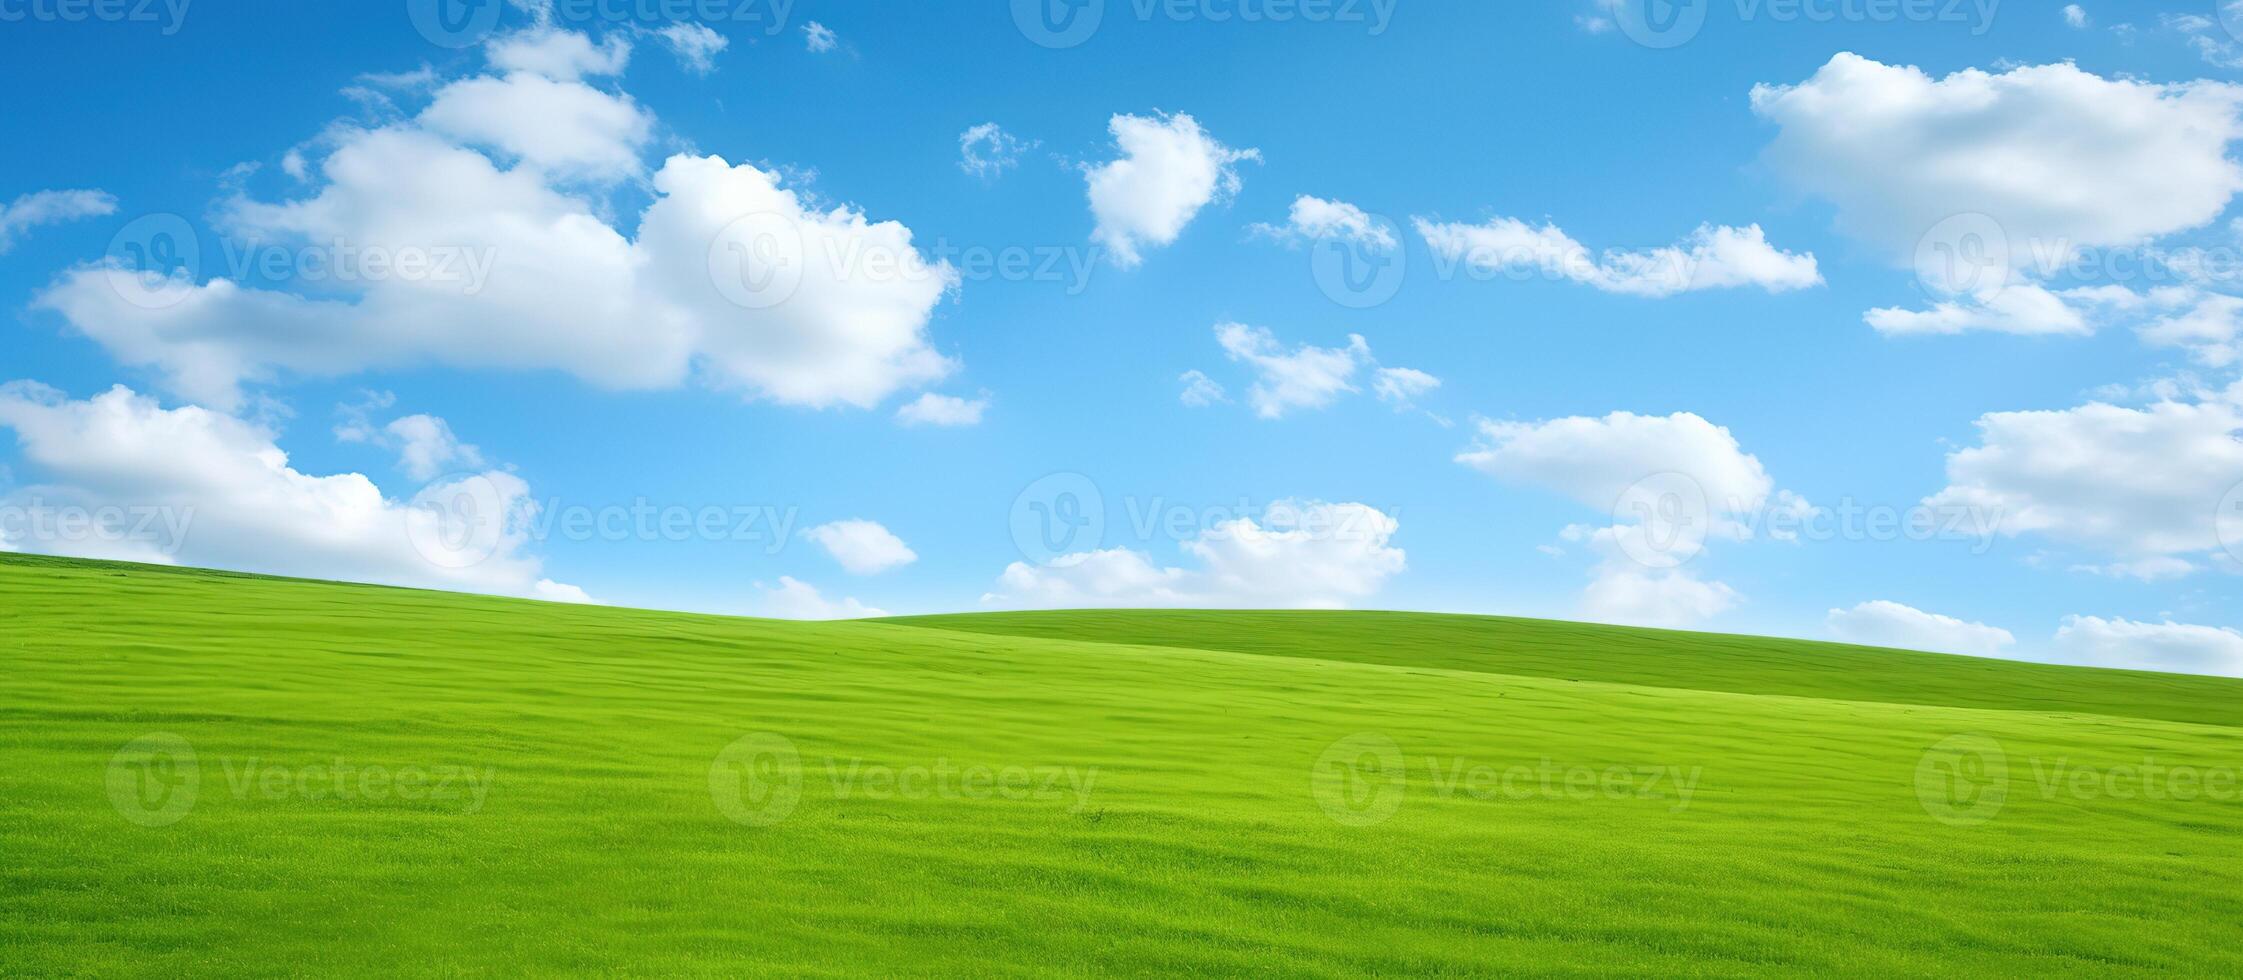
pixel 192 787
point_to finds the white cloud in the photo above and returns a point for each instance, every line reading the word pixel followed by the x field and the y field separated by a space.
pixel 1711 258
pixel 1200 390
pixel 1669 484
pixel 566 128
pixel 425 444
pixel 1306 377
pixel 801 600
pixel 1168 170
pixel 2170 647
pixel 1299 555
pixel 2134 483
pixel 695 45
pixel 1889 624
pixel 942 410
pixel 1634 595
pixel 987 151
pixel 50 207
pixel 1315 219
pixel 2024 308
pixel 2056 156
pixel 224 496
pixel 862 547
pixel 819 38
pixel 1604 463
pixel 2207 329
pixel 732 277
pixel 2075 16
pixel 1402 386
pixel 563 56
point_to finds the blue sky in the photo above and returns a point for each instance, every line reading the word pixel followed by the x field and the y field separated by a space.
pixel 1537 137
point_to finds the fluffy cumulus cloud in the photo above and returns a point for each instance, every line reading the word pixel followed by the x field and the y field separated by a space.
pixel 1672 598
pixel 558 54
pixel 862 547
pixel 1168 170
pixel 793 599
pixel 1669 485
pixel 1303 377
pixel 2132 482
pixel 425 445
pixel 2051 152
pixel 1990 183
pixel 732 276
pixel 1298 555
pixel 50 207
pixel 1711 258
pixel 124 477
pixel 2169 647
pixel 1882 623
pixel 1285 380
pixel 564 128
pixel 942 410
pixel 1612 463
pixel 1316 219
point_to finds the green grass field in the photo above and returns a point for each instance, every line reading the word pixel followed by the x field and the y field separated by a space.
pixel 218 773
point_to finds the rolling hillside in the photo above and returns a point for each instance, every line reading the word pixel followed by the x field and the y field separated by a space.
pixel 217 772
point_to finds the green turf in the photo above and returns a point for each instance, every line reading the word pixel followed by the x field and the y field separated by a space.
pixel 1217 836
